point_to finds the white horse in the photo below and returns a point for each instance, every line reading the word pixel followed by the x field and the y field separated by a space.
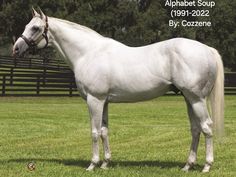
pixel 108 71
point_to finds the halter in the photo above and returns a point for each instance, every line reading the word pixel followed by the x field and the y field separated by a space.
pixel 32 43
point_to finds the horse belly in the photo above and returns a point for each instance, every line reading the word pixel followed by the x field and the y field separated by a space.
pixel 145 91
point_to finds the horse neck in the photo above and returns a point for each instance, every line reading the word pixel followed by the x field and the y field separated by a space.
pixel 73 41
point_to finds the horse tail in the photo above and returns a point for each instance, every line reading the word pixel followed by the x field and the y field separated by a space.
pixel 217 96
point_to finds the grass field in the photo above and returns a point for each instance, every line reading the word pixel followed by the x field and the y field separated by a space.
pixel 147 139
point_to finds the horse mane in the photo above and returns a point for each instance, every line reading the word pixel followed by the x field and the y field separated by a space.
pixel 77 26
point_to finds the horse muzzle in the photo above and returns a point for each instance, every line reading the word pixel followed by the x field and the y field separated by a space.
pixel 19 48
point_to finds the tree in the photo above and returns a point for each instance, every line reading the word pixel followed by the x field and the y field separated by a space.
pixel 133 22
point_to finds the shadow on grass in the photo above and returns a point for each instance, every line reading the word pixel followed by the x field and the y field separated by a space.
pixel 85 163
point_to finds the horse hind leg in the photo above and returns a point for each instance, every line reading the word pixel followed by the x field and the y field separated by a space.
pixel 200 111
pixel 195 131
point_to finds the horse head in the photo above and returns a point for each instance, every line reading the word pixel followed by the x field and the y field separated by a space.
pixel 35 34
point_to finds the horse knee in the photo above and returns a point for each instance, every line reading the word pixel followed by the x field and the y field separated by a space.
pixel 95 136
pixel 104 132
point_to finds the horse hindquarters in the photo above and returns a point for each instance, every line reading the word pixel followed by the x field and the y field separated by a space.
pixel 200 119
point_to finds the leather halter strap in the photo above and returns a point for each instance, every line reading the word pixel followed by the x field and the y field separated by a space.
pixel 32 43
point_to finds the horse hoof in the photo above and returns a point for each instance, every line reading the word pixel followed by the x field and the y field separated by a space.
pixel 206 168
pixel 104 165
pixel 187 167
pixel 91 167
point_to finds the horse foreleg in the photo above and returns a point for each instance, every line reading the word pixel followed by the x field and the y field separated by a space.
pixel 105 138
pixel 95 106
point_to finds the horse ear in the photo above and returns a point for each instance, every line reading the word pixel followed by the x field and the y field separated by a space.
pixel 41 14
pixel 34 12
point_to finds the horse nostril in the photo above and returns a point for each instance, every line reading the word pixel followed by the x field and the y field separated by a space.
pixel 17 49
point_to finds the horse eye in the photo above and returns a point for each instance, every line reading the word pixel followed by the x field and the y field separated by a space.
pixel 35 28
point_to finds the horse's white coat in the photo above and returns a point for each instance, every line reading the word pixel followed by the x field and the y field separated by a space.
pixel 109 71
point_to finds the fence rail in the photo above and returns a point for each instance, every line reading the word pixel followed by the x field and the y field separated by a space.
pixel 51 77
pixel 230 83
pixel 36 77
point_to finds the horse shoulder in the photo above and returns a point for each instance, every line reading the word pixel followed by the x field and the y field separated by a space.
pixel 92 76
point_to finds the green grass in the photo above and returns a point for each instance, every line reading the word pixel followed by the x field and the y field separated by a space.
pixel 147 139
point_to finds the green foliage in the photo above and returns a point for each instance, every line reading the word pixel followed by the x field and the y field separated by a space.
pixel 133 22
pixel 223 34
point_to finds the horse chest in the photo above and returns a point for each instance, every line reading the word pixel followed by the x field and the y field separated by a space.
pixel 92 80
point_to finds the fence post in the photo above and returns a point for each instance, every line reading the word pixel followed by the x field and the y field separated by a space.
pixel 38 86
pixel 71 86
pixel 11 76
pixel 44 75
pixel 30 62
pixel 3 85
pixel 15 62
